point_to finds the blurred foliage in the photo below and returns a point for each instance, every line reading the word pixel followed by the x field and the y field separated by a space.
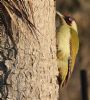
pixel 70 5
pixel 80 10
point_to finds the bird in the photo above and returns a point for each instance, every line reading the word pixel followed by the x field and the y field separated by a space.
pixel 67 45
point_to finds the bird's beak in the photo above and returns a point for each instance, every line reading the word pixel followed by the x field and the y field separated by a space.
pixel 59 14
pixel 61 17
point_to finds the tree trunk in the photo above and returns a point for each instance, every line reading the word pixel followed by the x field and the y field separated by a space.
pixel 34 76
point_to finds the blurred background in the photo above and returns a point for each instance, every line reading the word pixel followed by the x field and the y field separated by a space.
pixel 80 10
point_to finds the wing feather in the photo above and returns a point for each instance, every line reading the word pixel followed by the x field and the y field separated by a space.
pixel 74 46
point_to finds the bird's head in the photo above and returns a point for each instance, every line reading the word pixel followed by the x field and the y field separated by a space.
pixel 69 20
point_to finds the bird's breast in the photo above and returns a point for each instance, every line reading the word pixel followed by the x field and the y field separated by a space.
pixel 63 41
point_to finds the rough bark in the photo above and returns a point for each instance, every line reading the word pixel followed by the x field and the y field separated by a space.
pixel 34 77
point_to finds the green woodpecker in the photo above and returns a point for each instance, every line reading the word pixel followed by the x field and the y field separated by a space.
pixel 67 47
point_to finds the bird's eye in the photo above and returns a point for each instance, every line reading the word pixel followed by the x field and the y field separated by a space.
pixel 68 20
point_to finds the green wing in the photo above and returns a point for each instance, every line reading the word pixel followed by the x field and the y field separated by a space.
pixel 74 46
